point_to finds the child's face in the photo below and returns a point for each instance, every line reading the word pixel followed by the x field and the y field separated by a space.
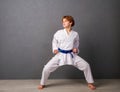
pixel 66 23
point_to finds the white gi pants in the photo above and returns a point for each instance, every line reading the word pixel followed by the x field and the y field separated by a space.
pixel 79 63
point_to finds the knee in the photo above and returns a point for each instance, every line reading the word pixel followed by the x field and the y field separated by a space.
pixel 83 66
pixel 46 69
pixel 86 66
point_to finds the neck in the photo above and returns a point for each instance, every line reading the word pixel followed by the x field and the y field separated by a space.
pixel 68 29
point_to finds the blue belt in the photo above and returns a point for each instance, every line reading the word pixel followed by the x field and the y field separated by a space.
pixel 65 51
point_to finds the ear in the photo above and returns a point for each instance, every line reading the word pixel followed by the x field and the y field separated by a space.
pixel 71 23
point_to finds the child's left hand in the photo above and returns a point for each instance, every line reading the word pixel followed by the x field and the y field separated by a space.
pixel 75 50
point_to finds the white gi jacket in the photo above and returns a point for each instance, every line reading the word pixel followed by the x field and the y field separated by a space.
pixel 65 41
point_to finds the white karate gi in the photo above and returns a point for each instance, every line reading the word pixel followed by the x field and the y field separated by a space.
pixel 66 41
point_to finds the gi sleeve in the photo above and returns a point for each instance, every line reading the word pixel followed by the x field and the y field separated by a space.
pixel 54 44
pixel 76 43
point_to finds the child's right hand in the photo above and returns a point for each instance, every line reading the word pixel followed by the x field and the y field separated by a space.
pixel 56 51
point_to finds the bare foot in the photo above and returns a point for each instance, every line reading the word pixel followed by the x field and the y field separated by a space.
pixel 41 86
pixel 91 86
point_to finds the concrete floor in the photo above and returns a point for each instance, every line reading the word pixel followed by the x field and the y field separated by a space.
pixel 59 85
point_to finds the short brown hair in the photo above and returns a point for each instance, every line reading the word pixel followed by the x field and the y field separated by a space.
pixel 69 18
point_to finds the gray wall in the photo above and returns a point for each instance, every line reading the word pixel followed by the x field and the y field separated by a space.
pixel 27 28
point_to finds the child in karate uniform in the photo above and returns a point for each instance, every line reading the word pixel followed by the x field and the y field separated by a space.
pixel 65 47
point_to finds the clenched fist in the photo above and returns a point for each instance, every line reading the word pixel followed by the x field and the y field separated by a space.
pixel 55 51
pixel 75 50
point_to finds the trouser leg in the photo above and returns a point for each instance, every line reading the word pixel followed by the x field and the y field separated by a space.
pixel 85 67
pixel 51 66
